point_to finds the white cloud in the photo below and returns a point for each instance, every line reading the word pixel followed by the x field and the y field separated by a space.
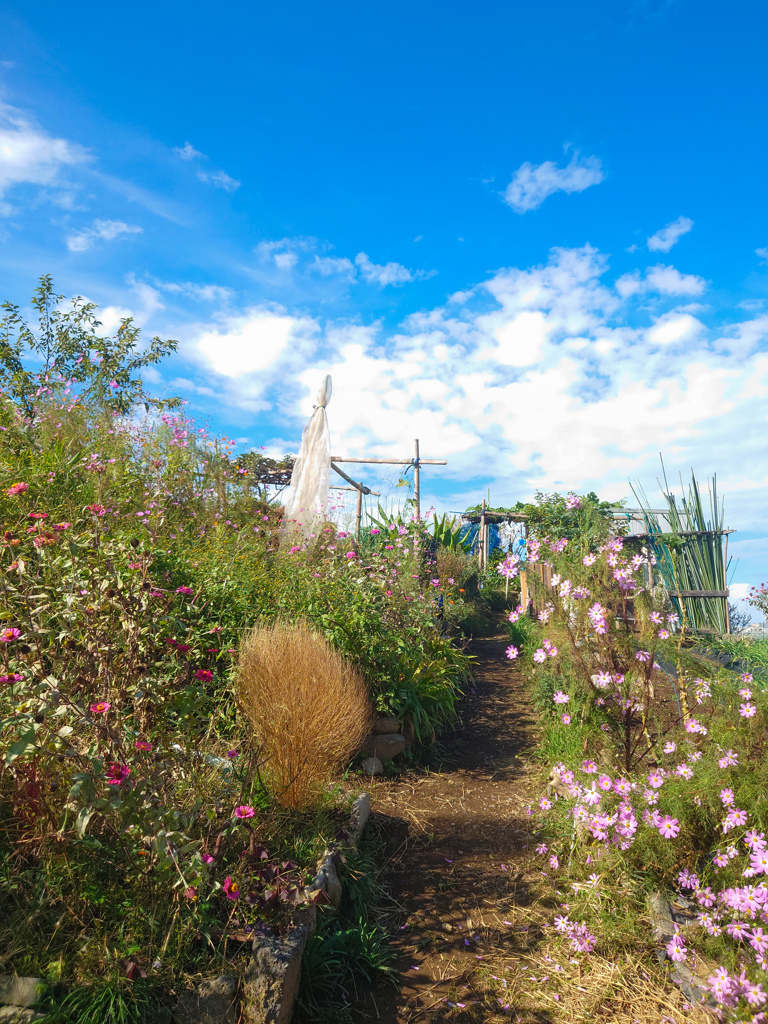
pixel 763 254
pixel 666 237
pixel 252 342
pixel 219 179
pixel 661 279
pixel 30 155
pixel 100 230
pixel 187 151
pixel 532 184
pixel 329 266
pixel 388 273
pixel 673 328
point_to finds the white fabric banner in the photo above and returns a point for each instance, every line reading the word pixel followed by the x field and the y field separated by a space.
pixel 306 501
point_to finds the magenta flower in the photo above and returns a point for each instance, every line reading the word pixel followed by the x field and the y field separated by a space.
pixel 561 698
pixel 726 795
pixel 100 707
pixel 8 635
pixel 117 773
pixel 663 634
pixel 60 527
pixel 233 753
pixel 231 888
pixel 188 591
pixel 351 554
pixel 746 693
pixel 18 488
pixel 143 745
pixel 604 782
pixel 204 675
pixel 244 811
pixel 668 827
pixel 539 656
pixel 589 767
pixel 565 719
pixel 512 652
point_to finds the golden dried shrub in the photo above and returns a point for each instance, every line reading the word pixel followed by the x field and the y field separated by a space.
pixel 308 706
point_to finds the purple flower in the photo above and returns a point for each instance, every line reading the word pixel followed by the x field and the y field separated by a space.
pixel 643 656
pixel 668 827
pixel 185 590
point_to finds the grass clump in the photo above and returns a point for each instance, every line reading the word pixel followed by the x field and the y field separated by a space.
pixel 308 706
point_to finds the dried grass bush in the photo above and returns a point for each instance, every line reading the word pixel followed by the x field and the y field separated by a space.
pixel 309 708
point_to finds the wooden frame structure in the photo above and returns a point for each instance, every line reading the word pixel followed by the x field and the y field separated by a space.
pixel 417 462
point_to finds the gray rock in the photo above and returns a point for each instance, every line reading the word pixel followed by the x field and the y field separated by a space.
pixel 385 725
pixel 272 980
pixel 385 747
pixel 18 1015
pixel 359 814
pixel 212 1002
pixel 372 766
pixel 327 879
pixel 17 991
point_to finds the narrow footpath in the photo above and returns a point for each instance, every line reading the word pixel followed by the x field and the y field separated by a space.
pixel 469 905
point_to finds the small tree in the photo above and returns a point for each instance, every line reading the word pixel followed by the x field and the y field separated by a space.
pixel 66 355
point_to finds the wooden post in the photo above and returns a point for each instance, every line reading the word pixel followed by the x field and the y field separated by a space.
pixel 524 591
pixel 359 515
pixel 417 479
pixel 727 609
pixel 481 539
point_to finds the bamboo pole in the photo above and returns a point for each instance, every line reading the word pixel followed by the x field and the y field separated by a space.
pixel 391 462
pixel 417 479
pixel 358 515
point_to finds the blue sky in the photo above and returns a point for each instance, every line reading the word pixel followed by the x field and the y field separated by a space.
pixel 532 235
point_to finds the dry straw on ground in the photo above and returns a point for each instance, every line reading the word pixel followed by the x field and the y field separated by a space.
pixel 308 706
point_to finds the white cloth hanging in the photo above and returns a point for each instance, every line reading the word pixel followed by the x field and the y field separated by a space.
pixel 306 501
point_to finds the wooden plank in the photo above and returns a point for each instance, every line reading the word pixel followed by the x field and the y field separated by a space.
pixel 699 593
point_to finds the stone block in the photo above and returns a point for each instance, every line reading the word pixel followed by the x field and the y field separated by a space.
pixel 20 991
pixel 211 1002
pixel 272 980
pixel 359 814
pixel 385 725
pixel 327 879
pixel 19 1015
pixel 385 747
pixel 372 766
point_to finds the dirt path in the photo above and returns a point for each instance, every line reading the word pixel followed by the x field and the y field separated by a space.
pixel 459 868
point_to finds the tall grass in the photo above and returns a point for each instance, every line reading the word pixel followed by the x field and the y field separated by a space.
pixel 308 706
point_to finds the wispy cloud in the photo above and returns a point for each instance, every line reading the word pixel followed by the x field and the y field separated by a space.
pixel 187 151
pixel 670 235
pixel 100 230
pixel 661 279
pixel 219 179
pixel 533 183
pixel 30 155
pixel 388 273
pixel 763 254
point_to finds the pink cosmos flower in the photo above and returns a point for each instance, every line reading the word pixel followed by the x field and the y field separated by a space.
pixel 561 698
pixel 604 782
pixel 9 635
pixel 731 757
pixel 515 615
pixel 565 719
pixel 539 656
pixel 746 677
pixel 188 591
pixel 545 804
pixel 670 748
pixel 663 634
pixel 655 618
pixel 684 771
pixel 589 559
pixel 244 811
pixel 589 767
pixel 351 554
pixel 100 707
pixel 726 795
pixel 231 888
pixel 554 863
pixel 512 652
pixel 643 656
pixel 747 710
pixel 668 827
pixel 18 488
pixel 746 693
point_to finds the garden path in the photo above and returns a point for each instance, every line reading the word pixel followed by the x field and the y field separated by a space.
pixel 459 868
